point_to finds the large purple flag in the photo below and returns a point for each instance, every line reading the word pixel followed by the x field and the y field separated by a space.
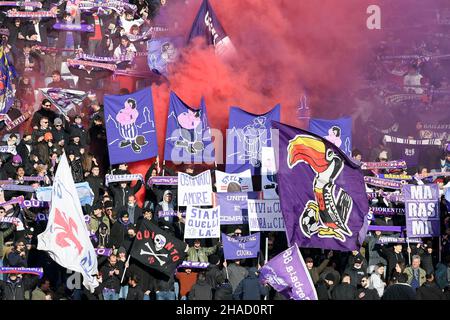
pixel 241 247
pixel 287 274
pixel 247 134
pixel 422 210
pixel 130 126
pixel 322 192
pixel 188 135
pixel 208 26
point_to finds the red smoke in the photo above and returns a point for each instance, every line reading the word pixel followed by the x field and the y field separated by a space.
pixel 283 47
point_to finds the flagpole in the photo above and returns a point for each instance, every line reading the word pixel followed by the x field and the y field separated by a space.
pixel 164 167
pixel 266 251
pixel 409 251
pixel 128 260
pixel 226 269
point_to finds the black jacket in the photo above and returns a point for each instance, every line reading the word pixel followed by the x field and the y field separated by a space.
pixel 399 291
pixel 323 290
pixel 135 293
pixel 201 291
pixel 224 292
pixel 355 275
pixel 214 276
pixel 97 185
pixel 344 291
pixel 392 259
pixel 111 282
pixel 120 195
pixel 368 294
pixel 250 288
pixel 16 290
pixel 429 291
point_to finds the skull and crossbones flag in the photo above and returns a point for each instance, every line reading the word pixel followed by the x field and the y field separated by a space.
pixel 158 249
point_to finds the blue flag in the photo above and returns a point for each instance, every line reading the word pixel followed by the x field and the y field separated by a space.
pixel 7 75
pixel 247 134
pixel 338 131
pixel 188 135
pixel 207 26
pixel 130 126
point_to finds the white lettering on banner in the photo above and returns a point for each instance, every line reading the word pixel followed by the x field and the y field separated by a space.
pixel 287 259
pixel 243 179
pixel 265 215
pixel 421 193
pixel 209 24
pixel 194 191
pixel 422 210
pixel 422 227
pixel 202 223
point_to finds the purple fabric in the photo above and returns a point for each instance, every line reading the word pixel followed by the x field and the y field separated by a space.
pixel 247 134
pixel 235 248
pixel 386 239
pixel 193 265
pixel 161 180
pixel 171 213
pixel 73 27
pixel 387 211
pixel 36 271
pixel 390 196
pixel 233 207
pixel 188 135
pixel 422 210
pixel 395 164
pixel 287 274
pixel 383 183
pixel 103 252
pixel 323 200
pixel 385 228
pixel 130 126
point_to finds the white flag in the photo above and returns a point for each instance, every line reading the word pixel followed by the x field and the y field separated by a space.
pixel 66 237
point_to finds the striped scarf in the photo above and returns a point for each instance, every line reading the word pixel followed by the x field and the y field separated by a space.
pixel 428 142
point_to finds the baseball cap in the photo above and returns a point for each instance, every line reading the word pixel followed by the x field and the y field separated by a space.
pixel 358 260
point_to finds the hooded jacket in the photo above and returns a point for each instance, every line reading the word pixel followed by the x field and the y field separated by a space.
pixel 250 288
pixel 201 291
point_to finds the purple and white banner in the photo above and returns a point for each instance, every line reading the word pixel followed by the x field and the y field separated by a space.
pixel 33 203
pixel 193 265
pixel 10 220
pixel 233 207
pixel 422 210
pixel 171 213
pixel 287 274
pixel 265 215
pixel 18 187
pixel 12 201
pixel 390 196
pixel 8 149
pixel 226 181
pixel 36 271
pixel 103 251
pixel 383 183
pixel 73 27
pixel 202 223
pixel 162 180
pixel 390 239
pixel 195 190
pixel 387 211
pixel 235 248
pixel 395 164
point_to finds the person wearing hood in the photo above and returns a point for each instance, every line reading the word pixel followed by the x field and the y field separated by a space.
pixel 166 205
pixel 224 291
pixel 314 272
pixel 96 183
pixel 201 290
pixel 250 288
pixel 119 229
pixel 103 236
pixel 324 287
pixel 97 218
pixel 213 273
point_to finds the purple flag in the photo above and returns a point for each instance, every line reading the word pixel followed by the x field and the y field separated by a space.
pixel 337 131
pixel 322 192
pixel 287 274
pixel 208 26
pixel 422 210
pixel 188 135
pixel 235 248
pixel 247 134
pixel 233 207
pixel 130 126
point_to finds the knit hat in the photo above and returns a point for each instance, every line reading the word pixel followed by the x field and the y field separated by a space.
pixel 57 122
pixel 330 277
pixel 121 250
